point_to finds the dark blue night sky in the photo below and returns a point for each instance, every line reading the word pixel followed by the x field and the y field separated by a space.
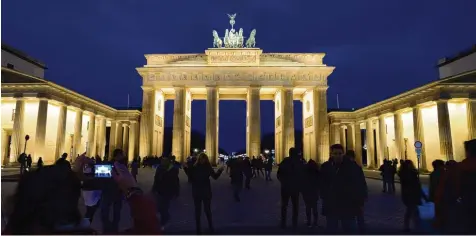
pixel 380 48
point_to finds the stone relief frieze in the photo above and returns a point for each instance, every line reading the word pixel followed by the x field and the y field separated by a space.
pixel 235 76
pixel 170 58
pixel 306 58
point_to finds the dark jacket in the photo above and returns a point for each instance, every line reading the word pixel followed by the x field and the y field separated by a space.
pixel 269 164
pixel 110 189
pixel 343 188
pixel 166 182
pixel 290 174
pixel 200 176
pixel 247 167
pixel 411 190
pixel 311 181
pixel 237 172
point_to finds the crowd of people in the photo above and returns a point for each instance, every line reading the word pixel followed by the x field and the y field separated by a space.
pixel 46 199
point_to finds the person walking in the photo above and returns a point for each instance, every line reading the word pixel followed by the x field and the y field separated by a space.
pixel 310 191
pixel 29 161
pixel 39 164
pixel 290 176
pixel 112 196
pixel 268 168
pixel 200 174
pixel 350 154
pixel 412 194
pixel 236 175
pixel 166 187
pixel 247 171
pixel 22 160
pixel 135 168
pixel 343 191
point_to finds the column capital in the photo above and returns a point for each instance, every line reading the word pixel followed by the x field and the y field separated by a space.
pixel 442 100
pixel 43 96
pixel 133 122
pixel 147 88
pixel 125 124
pixel 18 96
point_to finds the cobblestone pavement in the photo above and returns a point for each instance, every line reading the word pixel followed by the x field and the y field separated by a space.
pixel 259 209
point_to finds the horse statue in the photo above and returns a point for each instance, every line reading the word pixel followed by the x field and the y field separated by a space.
pixel 240 38
pixel 217 42
pixel 251 42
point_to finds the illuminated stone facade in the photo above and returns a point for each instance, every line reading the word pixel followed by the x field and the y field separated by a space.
pixel 235 74
pixel 441 115
pixel 56 119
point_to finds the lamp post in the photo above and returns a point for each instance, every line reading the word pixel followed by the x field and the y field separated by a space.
pixel 27 137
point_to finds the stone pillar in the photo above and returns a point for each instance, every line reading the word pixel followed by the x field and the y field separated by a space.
pixel 470 112
pixel 342 136
pixel 323 125
pixel 211 142
pixel 254 122
pixel 102 147
pixel 119 135
pixel 145 139
pixel 60 134
pixel 418 134
pixel 444 128
pixel 18 137
pixel 288 120
pixel 112 138
pixel 125 139
pixel 369 131
pixel 5 147
pixel 132 140
pixel 91 133
pixel 350 137
pixel 40 136
pixel 335 133
pixel 382 135
pixel 178 131
pixel 358 143
pixel 399 141
pixel 78 126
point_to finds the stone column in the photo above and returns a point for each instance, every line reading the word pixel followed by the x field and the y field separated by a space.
pixel 112 138
pixel 358 143
pixel 178 131
pixel 132 140
pixel 60 134
pixel 18 137
pixel 444 128
pixel 369 131
pixel 418 134
pixel 470 112
pixel 382 129
pixel 335 133
pixel 40 136
pixel 342 136
pixel 145 139
pixel 102 135
pixel 254 122
pixel 288 120
pixel 119 135
pixel 5 147
pixel 323 124
pixel 91 133
pixel 350 137
pixel 211 142
pixel 399 141
pixel 78 126
pixel 125 139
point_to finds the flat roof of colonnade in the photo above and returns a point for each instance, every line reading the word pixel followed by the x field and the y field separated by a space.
pixel 458 87
pixel 15 84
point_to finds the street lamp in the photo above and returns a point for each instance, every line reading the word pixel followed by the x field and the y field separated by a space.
pixel 266 151
pixel 204 150
pixel 195 150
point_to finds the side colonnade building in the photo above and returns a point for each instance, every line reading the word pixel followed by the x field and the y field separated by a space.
pixel 56 119
pixel 441 115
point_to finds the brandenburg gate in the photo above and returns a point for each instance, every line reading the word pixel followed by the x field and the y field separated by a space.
pixel 234 69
